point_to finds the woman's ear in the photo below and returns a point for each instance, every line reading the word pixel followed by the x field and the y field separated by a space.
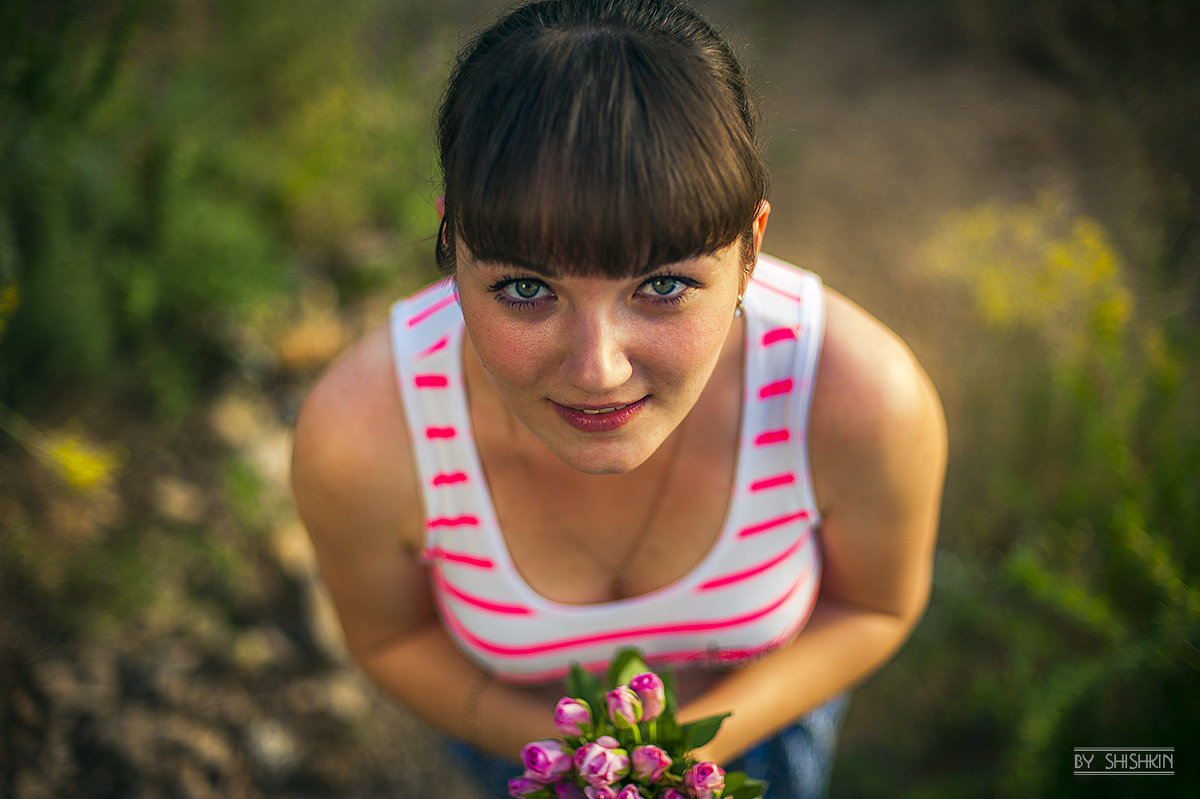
pixel 440 204
pixel 759 225
pixel 758 228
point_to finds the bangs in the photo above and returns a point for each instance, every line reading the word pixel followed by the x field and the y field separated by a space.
pixel 601 151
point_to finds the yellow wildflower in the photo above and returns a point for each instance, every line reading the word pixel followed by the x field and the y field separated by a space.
pixel 1040 267
pixel 83 464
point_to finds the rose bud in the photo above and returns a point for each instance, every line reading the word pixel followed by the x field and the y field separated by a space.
pixel 545 760
pixel 568 790
pixel 649 688
pixel 523 786
pixel 571 716
pixel 601 762
pixel 600 792
pixel 704 780
pixel 624 707
pixel 630 792
pixel 649 763
pixel 671 793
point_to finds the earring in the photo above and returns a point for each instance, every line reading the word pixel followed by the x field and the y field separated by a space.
pixel 740 308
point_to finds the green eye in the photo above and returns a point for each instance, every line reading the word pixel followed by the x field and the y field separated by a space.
pixel 663 288
pixel 526 289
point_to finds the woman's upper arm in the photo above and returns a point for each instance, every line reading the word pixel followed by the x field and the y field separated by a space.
pixel 878 445
pixel 352 479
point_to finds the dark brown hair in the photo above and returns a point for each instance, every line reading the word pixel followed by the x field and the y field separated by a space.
pixel 597 137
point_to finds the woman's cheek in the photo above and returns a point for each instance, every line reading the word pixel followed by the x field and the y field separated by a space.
pixel 513 355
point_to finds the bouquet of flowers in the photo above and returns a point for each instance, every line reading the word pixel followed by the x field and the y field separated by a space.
pixel 624 743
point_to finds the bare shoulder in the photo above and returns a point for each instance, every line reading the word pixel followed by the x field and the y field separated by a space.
pixel 352 466
pixel 876 421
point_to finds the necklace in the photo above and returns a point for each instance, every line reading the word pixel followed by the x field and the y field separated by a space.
pixel 619 582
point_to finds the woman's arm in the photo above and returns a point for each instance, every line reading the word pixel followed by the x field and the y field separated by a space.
pixel 877 441
pixel 355 487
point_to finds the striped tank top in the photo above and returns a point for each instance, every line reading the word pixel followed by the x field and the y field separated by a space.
pixel 752 592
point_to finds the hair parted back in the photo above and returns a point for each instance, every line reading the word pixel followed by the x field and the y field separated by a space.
pixel 597 137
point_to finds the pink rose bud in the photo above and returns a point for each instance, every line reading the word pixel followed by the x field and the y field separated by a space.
pixel 649 688
pixel 624 707
pixel 523 786
pixel 601 762
pixel 630 792
pixel 671 793
pixel 600 792
pixel 568 790
pixel 649 763
pixel 704 780
pixel 571 716
pixel 545 760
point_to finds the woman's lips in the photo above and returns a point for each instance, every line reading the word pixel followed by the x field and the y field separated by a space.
pixel 599 418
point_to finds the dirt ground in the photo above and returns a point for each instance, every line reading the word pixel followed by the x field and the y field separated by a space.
pixel 879 127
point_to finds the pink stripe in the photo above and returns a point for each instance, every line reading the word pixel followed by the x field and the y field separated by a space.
pixel 617 636
pixel 431 310
pixel 668 659
pixel 776 481
pixel 431 381
pixel 777 335
pixel 458 557
pixel 479 602
pixel 745 574
pixel 434 347
pixel 783 292
pixel 772 437
pixel 465 520
pixel 450 478
pixel 771 524
pixel 440 432
pixel 775 389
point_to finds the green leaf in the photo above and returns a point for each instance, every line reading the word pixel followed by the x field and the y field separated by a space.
pixel 672 705
pixel 739 786
pixel 698 733
pixel 626 664
pixel 582 684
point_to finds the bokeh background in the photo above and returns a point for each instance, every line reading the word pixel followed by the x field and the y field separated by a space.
pixel 203 201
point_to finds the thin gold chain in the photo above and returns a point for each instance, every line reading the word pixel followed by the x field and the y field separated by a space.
pixel 619 581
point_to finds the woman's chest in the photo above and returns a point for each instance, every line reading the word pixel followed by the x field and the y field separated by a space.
pixel 585 539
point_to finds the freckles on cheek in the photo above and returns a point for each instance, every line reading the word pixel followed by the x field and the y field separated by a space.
pixel 511 356
pixel 688 352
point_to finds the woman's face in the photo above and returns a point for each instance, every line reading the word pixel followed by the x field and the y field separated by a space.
pixel 601 369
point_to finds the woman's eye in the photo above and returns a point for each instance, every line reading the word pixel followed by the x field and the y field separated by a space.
pixel 523 291
pixel 664 288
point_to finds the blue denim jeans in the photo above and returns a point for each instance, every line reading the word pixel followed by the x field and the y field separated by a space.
pixel 796 761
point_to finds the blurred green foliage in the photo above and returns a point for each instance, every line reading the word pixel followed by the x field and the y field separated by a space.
pixel 168 168
pixel 1066 607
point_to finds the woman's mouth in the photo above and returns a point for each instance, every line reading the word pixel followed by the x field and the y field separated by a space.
pixel 591 412
pixel 599 419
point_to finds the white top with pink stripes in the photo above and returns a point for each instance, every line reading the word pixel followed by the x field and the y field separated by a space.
pixel 753 591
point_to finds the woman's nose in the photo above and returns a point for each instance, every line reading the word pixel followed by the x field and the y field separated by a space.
pixel 597 360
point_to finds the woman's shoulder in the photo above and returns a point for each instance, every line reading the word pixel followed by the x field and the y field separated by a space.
pixel 352 461
pixel 874 409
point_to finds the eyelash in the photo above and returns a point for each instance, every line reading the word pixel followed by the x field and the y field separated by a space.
pixel 497 290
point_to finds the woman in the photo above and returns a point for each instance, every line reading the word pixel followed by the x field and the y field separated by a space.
pixel 616 424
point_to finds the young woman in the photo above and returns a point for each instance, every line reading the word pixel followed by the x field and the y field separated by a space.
pixel 616 423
